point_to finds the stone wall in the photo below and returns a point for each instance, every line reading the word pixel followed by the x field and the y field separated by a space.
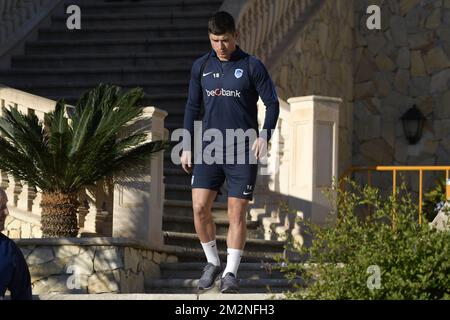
pixel 405 63
pixel 91 265
pixel 379 74
pixel 321 63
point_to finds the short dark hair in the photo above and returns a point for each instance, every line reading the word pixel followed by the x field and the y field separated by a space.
pixel 220 23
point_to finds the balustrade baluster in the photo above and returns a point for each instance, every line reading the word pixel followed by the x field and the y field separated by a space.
pixel 36 201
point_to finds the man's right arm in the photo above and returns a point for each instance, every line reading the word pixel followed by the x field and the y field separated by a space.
pixel 192 110
pixel 191 113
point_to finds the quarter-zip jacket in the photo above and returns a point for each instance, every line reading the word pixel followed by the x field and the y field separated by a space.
pixel 230 92
pixel 14 274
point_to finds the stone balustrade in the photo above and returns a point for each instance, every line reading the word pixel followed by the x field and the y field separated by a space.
pixel 267 27
pixel 105 210
pixel 301 165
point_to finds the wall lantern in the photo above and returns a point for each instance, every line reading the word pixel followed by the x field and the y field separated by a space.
pixel 413 121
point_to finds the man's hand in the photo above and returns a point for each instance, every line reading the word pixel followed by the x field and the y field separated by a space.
pixel 186 161
pixel 260 147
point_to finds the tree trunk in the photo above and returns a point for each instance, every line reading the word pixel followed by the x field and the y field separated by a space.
pixel 59 215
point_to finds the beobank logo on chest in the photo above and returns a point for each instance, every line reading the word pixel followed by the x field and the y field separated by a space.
pixel 221 92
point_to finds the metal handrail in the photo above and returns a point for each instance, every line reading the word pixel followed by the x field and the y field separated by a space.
pixel 394 170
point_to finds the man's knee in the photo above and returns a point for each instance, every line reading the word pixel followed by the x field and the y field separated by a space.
pixel 202 211
pixel 237 211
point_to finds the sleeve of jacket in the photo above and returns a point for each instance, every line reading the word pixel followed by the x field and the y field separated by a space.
pixel 266 90
pixel 192 110
pixel 20 285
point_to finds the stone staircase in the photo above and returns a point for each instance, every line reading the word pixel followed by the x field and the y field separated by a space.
pixel 150 44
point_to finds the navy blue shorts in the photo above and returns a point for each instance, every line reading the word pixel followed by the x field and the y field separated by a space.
pixel 240 178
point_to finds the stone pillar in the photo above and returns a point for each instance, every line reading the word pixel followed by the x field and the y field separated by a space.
pixel 139 198
pixel 314 157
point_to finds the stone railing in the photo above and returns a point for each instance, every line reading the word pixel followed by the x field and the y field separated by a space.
pixel 267 28
pixel 301 164
pixel 19 17
pixel 131 210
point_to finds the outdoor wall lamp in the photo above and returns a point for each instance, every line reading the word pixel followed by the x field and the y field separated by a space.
pixel 413 121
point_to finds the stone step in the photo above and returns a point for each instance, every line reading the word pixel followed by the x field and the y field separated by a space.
pixel 156 296
pixel 184 208
pixel 178 192
pixel 90 7
pixel 196 254
pixel 124 32
pixel 137 19
pixel 247 266
pixel 177 223
pixel 168 163
pixel 176 176
pixel 75 76
pixel 156 100
pixel 70 89
pixel 172 162
pixel 150 45
pixel 193 270
pixel 217 214
pixel 96 60
pixel 245 285
pixel 251 245
pixel 172 125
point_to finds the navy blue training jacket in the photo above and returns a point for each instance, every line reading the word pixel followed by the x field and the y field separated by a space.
pixel 14 273
pixel 230 91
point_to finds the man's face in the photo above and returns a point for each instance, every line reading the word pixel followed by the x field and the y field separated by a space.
pixel 224 45
pixel 3 210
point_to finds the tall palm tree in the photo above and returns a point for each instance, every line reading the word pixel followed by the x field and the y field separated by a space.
pixel 63 154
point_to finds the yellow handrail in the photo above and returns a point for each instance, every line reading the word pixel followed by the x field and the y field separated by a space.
pixel 395 169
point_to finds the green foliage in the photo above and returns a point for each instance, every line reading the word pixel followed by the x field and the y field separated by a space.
pixel 343 258
pixel 434 200
pixel 63 154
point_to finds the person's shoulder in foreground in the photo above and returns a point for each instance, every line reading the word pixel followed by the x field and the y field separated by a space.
pixel 14 273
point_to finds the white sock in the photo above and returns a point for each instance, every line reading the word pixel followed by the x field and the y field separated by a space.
pixel 211 253
pixel 233 260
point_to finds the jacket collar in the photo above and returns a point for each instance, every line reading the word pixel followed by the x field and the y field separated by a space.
pixel 236 55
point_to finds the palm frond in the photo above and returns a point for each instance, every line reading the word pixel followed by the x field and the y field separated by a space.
pixel 59 155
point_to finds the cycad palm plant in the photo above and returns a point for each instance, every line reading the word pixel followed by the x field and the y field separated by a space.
pixel 62 155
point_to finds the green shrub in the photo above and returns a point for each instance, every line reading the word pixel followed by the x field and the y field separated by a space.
pixel 343 258
pixel 434 200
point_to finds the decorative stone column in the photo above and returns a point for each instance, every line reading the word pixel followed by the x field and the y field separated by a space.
pixel 139 197
pixel 314 157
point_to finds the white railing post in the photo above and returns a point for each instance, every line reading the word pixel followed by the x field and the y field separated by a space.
pixel 314 159
pixel 138 202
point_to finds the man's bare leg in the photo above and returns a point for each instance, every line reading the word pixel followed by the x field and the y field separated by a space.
pixel 202 200
pixel 237 233
pixel 205 227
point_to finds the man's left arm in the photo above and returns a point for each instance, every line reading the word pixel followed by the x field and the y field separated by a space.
pixel 266 90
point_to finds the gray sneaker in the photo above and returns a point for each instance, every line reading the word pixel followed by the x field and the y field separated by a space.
pixel 209 276
pixel 229 284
